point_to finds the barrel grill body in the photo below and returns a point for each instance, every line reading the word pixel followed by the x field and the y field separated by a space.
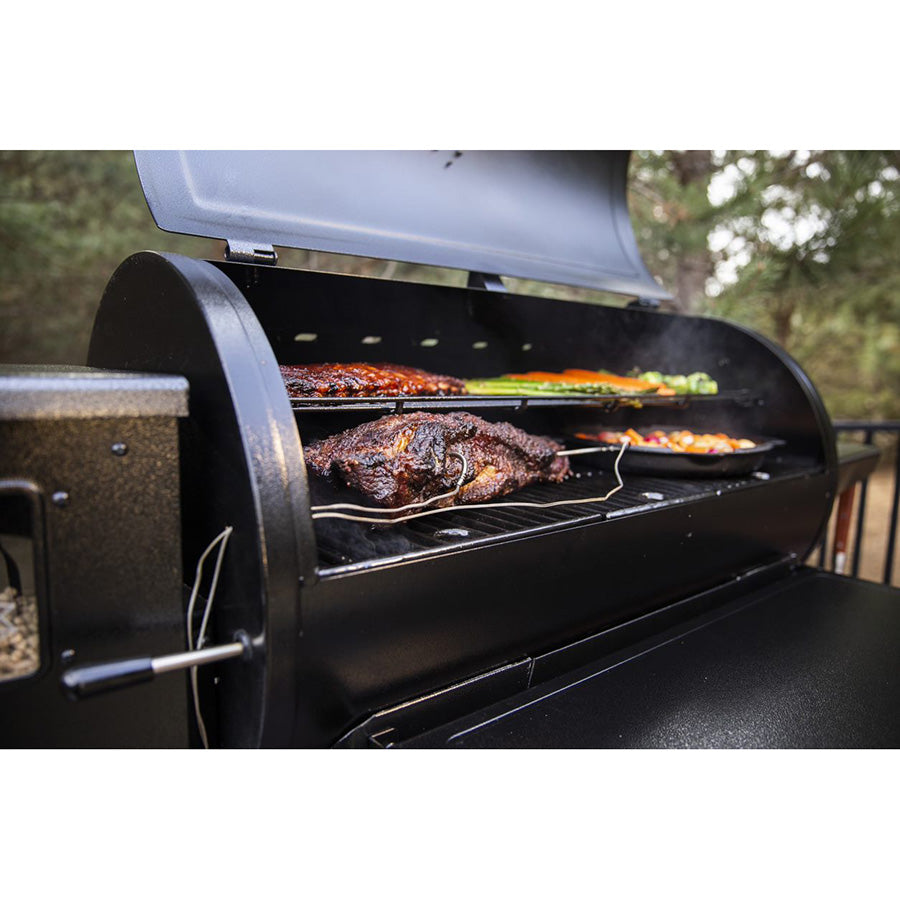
pixel 350 619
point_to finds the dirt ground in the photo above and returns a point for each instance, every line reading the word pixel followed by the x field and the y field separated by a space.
pixel 875 527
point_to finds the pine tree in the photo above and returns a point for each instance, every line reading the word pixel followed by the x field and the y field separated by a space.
pixel 816 235
pixel 673 217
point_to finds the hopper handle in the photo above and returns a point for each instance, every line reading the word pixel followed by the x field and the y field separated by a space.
pixel 85 681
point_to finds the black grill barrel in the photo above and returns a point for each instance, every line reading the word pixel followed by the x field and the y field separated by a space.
pixel 354 617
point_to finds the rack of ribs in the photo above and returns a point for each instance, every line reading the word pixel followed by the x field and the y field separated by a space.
pixel 409 458
pixel 366 380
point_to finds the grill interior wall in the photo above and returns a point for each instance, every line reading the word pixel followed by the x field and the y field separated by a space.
pixel 316 317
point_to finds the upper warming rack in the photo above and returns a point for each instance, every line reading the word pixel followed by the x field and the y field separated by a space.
pixel 602 402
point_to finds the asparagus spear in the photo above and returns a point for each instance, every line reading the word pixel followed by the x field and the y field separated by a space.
pixel 518 388
pixel 521 388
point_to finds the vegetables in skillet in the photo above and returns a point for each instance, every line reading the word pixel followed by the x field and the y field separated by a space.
pixel 676 441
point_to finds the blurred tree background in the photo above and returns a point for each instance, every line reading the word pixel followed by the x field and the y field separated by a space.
pixel 803 246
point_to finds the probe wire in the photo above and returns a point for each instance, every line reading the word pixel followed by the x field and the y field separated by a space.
pixel 324 512
pixel 222 541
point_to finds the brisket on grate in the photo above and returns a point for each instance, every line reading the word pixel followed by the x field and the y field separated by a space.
pixel 406 458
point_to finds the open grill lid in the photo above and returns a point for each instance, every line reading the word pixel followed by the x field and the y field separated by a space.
pixel 555 216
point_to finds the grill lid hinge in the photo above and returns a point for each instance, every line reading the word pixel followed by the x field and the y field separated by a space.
pixel 245 251
pixel 643 303
pixel 485 282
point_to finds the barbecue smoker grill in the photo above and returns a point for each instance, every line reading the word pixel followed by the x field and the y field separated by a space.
pixel 677 613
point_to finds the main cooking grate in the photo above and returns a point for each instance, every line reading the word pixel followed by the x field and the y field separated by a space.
pixel 346 546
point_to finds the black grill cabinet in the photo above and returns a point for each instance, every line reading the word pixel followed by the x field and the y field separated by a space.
pixel 90 515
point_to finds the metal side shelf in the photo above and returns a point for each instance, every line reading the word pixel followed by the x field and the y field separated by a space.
pixel 808 661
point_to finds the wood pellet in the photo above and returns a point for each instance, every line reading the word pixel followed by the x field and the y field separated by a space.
pixel 19 639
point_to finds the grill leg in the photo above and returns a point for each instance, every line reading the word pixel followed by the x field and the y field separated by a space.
pixel 842 530
pixel 892 534
pixel 860 520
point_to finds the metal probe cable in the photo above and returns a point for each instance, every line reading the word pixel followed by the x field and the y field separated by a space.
pixel 222 541
pixel 323 512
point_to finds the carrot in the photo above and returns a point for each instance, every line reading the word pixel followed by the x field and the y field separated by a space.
pixel 551 376
pixel 634 384
pixel 588 377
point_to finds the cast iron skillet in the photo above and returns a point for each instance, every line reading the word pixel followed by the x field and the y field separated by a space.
pixel 660 461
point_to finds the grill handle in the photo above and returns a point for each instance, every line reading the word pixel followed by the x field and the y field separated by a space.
pixel 86 681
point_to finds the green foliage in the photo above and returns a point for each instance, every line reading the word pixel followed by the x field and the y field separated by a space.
pixel 816 240
pixel 67 219
pixel 673 216
pixel 800 245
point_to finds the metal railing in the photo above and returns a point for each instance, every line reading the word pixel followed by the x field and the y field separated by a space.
pixel 868 431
